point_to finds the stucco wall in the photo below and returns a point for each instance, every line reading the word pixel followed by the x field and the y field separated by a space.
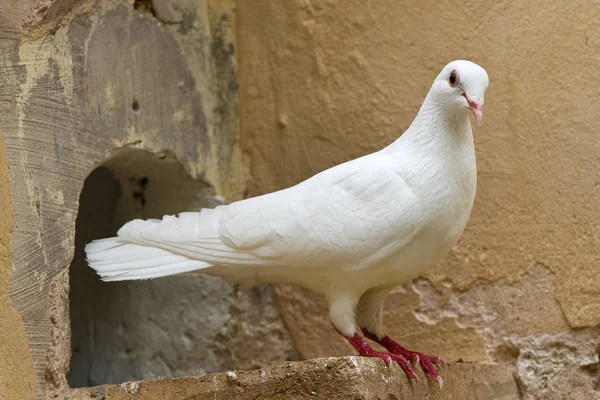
pixel 319 83
pixel 141 96
pixel 324 82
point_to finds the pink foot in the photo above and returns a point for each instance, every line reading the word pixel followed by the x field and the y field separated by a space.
pixel 367 351
pixel 425 360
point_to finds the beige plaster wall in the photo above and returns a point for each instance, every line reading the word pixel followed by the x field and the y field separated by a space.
pixel 80 80
pixel 322 82
pixel 16 367
pixel 319 83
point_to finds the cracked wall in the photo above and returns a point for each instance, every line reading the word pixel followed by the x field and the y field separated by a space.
pixel 324 82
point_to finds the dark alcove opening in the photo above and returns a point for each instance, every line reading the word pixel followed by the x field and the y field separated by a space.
pixel 134 330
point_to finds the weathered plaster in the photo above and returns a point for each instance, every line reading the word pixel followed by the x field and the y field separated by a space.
pixel 84 79
pixel 320 83
pixel 346 79
pixel 324 82
pixel 17 379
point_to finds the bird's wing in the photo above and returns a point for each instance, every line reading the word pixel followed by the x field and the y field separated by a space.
pixel 350 216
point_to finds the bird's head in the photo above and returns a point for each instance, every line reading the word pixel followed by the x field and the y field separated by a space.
pixel 460 88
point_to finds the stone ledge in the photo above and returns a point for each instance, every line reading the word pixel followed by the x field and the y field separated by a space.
pixel 322 378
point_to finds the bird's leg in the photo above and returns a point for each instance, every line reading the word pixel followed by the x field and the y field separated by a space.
pixel 367 351
pixel 341 314
pixel 369 317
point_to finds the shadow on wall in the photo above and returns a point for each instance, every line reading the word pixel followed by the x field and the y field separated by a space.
pixel 133 330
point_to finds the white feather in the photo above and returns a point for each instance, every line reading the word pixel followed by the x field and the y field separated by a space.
pixel 116 260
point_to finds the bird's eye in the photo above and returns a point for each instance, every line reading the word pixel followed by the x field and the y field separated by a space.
pixel 454 79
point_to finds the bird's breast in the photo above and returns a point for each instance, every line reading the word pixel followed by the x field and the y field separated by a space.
pixel 446 189
pixel 451 201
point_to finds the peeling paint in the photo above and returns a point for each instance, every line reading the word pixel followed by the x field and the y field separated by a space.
pixel 536 342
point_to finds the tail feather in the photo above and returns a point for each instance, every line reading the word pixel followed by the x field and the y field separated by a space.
pixel 155 272
pixel 191 234
pixel 133 264
pixel 156 248
pixel 119 252
pixel 114 259
pixel 101 245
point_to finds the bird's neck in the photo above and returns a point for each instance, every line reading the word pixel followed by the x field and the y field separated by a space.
pixel 436 156
pixel 436 129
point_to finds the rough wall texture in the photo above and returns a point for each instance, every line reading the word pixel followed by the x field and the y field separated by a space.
pixel 17 378
pixel 146 92
pixel 324 82
pixel 104 101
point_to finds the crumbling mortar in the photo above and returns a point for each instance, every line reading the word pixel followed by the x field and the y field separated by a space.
pixel 535 353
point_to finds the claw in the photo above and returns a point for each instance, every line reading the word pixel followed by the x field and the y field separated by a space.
pixel 418 358
pixel 404 365
pixel 388 360
pixel 413 375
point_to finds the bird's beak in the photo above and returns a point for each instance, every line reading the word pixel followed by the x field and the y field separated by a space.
pixel 476 105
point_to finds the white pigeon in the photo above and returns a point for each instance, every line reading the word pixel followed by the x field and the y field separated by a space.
pixel 352 232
